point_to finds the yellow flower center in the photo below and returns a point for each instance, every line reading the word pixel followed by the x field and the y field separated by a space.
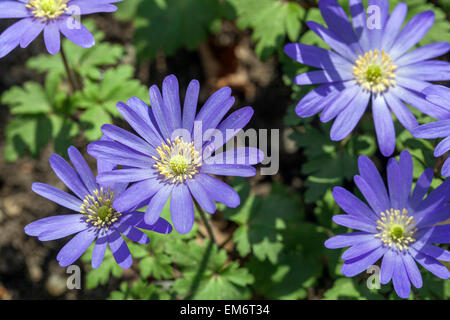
pixel 396 229
pixel 177 160
pixel 375 71
pixel 47 9
pixel 98 210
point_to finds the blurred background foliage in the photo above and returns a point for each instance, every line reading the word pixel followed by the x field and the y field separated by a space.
pixel 271 247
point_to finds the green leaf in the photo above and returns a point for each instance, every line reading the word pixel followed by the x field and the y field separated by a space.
pixel 139 291
pixel 168 25
pixel 271 21
pixel 92 120
pixel 101 275
pixel 85 62
pixel 348 289
pixel 288 279
pixel 260 230
pixel 206 274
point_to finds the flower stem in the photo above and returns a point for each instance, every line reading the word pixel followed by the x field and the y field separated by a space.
pixel 205 221
pixel 68 70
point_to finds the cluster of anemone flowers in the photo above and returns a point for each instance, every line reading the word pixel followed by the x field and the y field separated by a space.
pixel 164 161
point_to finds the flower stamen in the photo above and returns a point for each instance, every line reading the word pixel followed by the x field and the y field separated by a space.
pixel 375 71
pixel 396 229
pixel 97 209
pixel 178 160
pixel 47 9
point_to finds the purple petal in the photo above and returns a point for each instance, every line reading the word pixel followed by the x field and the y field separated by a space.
pixel 136 235
pixel 171 98
pixel 219 190
pixel 60 197
pixel 354 223
pixel 347 120
pixel 201 196
pixel 316 100
pixel 384 126
pixel 361 248
pixel 402 285
pixel 37 227
pixel 359 21
pixel 232 170
pixel 182 209
pixel 58 231
pixel 395 185
pixel 87 7
pixel 241 155
pixel 10 38
pixel 76 247
pixel 352 205
pixel 139 125
pixel 413 32
pixel 347 239
pixel 439 95
pixel 433 130
pixel 432 251
pixel 13 10
pixel 317 57
pixel 442 147
pixel 369 173
pixel 431 264
pixel 406 174
pixel 387 266
pixel 190 105
pixel 421 188
pixel 99 249
pixel 158 109
pixel 426 52
pixel 120 250
pixel 337 20
pixel 157 203
pixel 136 194
pixel 369 193
pixel 352 267
pixel 322 76
pixel 334 41
pixel 382 14
pixel 426 71
pixel 82 168
pixel 212 106
pixel 412 270
pixel 52 38
pixel 68 176
pixel 31 33
pixel 161 226
pixel 403 114
pixel 393 26
pixel 76 32
pixel 126 176
pixel 119 154
pixel 127 139
pixel 339 103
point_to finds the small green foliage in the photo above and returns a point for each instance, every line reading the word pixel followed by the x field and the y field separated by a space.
pixel 139 291
pixel 101 275
pixel 169 25
pixel 207 274
pixel 271 22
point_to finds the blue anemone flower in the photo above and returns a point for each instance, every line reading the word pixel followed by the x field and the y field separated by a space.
pixel 438 95
pixel 370 61
pixel 398 226
pixel 176 153
pixel 97 221
pixel 53 18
